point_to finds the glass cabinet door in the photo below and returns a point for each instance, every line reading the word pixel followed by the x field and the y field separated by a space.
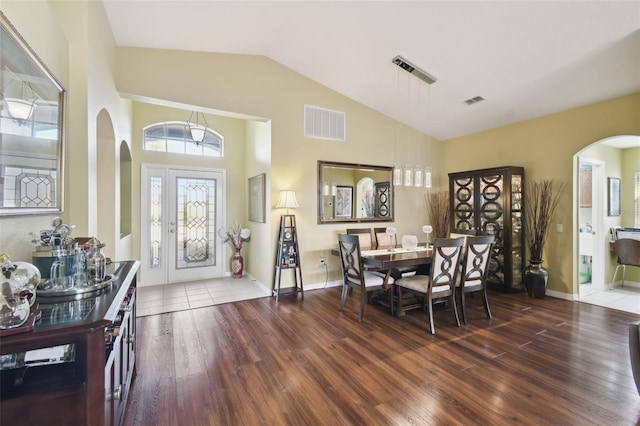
pixel 463 207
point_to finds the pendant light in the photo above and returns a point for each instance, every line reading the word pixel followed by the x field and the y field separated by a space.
pixel 21 106
pixel 197 130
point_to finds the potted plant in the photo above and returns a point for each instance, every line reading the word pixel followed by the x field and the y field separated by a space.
pixel 438 208
pixel 236 236
pixel 541 201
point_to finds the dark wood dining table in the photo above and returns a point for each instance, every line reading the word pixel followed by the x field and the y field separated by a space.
pixel 396 257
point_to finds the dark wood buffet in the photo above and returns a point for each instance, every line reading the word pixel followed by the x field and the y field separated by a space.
pixel 75 367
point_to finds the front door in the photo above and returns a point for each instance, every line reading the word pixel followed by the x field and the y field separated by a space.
pixel 181 212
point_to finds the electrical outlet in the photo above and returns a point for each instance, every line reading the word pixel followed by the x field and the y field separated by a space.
pixel 322 262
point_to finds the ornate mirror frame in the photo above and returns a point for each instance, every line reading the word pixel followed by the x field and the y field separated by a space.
pixel 32 122
pixel 354 193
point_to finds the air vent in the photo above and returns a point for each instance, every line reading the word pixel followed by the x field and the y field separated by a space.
pixel 412 69
pixel 324 123
pixel 475 100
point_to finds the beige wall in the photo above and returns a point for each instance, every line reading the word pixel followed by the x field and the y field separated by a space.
pixel 545 147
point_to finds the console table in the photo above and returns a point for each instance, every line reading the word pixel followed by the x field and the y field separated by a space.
pixel 91 386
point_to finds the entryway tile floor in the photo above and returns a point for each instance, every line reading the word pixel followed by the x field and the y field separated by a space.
pixel 159 299
pixel 622 298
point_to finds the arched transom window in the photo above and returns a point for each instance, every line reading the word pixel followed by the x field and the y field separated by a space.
pixel 175 137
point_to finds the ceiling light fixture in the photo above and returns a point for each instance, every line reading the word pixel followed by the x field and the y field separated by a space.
pixel 412 69
pixel 197 130
pixel 19 107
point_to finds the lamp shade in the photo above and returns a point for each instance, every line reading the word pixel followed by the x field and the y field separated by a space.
pixel 19 108
pixel 287 200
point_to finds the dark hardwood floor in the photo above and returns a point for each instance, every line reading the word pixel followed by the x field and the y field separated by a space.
pixel 538 362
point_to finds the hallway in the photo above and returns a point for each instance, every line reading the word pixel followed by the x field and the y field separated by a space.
pixel 625 298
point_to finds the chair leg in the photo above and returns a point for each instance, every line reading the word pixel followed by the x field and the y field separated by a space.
pixel 455 310
pixel 363 302
pixel 343 299
pixel 615 272
pixel 486 302
pixel 391 289
pixel 624 270
pixel 429 307
pixel 462 305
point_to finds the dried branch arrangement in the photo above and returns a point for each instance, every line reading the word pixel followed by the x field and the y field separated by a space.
pixel 541 201
pixel 438 209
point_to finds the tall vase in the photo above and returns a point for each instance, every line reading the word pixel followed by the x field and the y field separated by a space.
pixel 535 279
pixel 237 264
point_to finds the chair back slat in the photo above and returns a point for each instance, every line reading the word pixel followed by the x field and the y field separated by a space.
pixel 477 259
pixel 384 240
pixel 446 260
pixel 364 237
pixel 628 251
pixel 350 258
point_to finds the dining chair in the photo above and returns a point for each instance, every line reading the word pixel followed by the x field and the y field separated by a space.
pixel 475 265
pixel 441 281
pixel 628 252
pixel 383 239
pixel 364 235
pixel 355 276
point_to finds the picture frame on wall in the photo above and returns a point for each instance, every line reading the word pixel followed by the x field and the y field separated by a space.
pixel 613 199
pixel 343 203
pixel 257 198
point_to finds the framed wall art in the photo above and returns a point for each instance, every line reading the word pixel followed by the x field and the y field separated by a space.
pixel 257 198
pixel 613 200
pixel 343 204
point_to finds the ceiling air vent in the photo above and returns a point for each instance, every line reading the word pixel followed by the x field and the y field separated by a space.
pixel 324 123
pixel 475 100
pixel 412 69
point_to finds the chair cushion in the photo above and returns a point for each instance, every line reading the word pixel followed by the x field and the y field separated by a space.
pixel 468 283
pixel 415 282
pixel 372 279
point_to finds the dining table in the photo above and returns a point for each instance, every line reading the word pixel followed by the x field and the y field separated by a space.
pixel 388 259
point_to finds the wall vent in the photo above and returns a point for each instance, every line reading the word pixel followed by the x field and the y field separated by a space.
pixel 324 123
pixel 474 100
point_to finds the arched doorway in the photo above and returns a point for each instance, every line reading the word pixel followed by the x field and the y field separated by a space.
pixel 108 200
pixel 594 262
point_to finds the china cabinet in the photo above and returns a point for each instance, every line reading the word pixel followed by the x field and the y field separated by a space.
pixel 489 201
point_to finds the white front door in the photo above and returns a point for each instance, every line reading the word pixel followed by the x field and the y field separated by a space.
pixel 181 212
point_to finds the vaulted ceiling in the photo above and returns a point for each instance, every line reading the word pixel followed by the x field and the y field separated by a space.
pixel 525 58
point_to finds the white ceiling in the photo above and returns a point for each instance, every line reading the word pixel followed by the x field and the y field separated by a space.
pixel 526 58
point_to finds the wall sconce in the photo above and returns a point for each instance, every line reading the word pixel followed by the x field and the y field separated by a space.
pixel 197 130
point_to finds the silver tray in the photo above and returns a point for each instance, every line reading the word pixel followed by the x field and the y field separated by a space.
pixel 73 289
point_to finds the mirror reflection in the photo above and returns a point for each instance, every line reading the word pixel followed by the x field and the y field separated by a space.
pixel 31 117
pixel 354 193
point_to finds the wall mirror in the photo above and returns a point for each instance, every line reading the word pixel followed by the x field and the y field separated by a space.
pixel 354 193
pixel 31 129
